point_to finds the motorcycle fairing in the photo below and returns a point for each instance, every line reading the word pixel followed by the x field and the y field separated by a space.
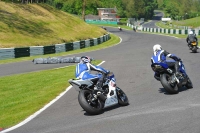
pixel 182 68
pixel 111 99
pixel 77 83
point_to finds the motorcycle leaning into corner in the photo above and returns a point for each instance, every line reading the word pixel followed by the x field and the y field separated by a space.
pixel 168 78
pixel 94 103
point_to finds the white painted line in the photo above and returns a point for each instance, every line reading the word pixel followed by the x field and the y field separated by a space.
pixel 41 110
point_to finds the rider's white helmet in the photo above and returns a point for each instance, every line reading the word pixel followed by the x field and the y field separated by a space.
pixel 191 32
pixel 156 48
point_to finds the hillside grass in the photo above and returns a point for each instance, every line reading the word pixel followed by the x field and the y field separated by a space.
pixel 193 22
pixel 23 25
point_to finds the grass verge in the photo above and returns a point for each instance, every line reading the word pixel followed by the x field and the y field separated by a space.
pixel 21 99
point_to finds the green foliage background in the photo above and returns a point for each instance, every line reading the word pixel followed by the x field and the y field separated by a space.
pixel 180 9
pixel 125 8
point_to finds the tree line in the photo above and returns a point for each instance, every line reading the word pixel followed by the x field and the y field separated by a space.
pixel 125 8
pixel 180 9
pixel 176 9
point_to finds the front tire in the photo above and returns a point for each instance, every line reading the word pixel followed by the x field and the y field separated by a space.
pixel 92 108
pixel 122 97
pixel 189 84
pixel 172 89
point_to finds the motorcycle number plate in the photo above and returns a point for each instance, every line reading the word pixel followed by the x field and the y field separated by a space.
pixel 193 43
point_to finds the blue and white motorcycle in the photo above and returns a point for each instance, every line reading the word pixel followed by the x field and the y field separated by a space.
pixel 169 80
pixel 94 101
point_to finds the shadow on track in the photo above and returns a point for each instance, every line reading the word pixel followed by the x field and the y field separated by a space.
pixel 162 90
pixel 106 109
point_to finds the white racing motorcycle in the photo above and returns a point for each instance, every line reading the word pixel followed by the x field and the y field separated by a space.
pixel 94 103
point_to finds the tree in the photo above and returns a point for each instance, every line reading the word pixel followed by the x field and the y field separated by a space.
pixel 83 9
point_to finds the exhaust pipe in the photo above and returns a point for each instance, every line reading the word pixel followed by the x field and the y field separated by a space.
pixel 101 96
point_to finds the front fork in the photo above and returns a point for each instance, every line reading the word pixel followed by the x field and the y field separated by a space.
pixel 174 79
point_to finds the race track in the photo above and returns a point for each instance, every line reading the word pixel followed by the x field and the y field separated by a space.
pixel 151 110
pixel 157 17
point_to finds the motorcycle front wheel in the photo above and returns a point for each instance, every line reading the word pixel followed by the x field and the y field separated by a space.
pixel 93 108
pixel 170 88
pixel 189 84
pixel 122 97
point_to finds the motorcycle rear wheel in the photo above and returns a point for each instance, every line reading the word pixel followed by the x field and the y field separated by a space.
pixel 171 89
pixel 92 108
pixel 194 49
pixel 122 97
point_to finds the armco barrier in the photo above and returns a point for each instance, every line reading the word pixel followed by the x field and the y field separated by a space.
pixel 166 31
pixel 8 53
pixel 69 46
pixel 22 52
pixel 169 31
pixel 91 42
pixel 49 49
pixel 82 44
pixel 60 48
pixel 95 41
pixel 87 43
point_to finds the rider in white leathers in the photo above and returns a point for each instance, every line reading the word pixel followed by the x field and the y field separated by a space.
pixel 84 67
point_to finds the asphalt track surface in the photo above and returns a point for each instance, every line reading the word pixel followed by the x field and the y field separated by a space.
pixel 157 17
pixel 151 109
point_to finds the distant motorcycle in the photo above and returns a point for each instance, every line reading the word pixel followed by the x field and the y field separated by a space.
pixel 95 103
pixel 120 28
pixel 168 79
pixel 192 41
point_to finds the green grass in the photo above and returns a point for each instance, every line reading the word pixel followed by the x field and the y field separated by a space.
pixel 23 25
pixel 21 99
pixel 193 22
pixel 114 40
pixel 165 26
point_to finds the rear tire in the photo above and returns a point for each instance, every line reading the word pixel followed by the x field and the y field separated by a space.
pixel 84 101
pixel 122 97
pixel 194 49
pixel 168 87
